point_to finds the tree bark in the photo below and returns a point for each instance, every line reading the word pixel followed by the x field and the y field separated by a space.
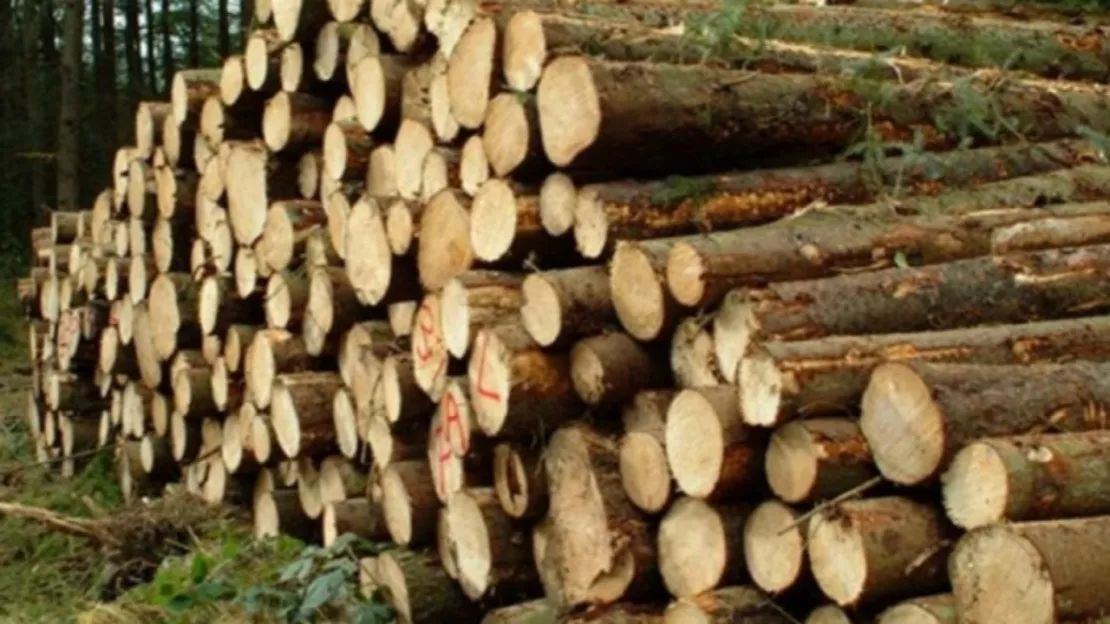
pixel 994 480
pixel 609 369
pixel 1019 287
pixel 1036 572
pixel 957 404
pixel 817 459
pixel 875 550
pixel 591 109
pixel 498 567
pixel 781 380
pixel 357 516
pixel 68 124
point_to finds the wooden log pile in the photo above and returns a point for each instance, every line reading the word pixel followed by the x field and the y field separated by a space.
pixel 596 330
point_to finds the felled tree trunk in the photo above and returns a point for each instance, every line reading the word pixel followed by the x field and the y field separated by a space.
pixel 301 412
pixel 419 591
pixel 410 503
pixel 817 459
pixel 519 480
pixel 645 473
pixel 562 305
pixel 691 525
pixel 917 415
pixel 775 549
pixel 1036 477
pixel 473 301
pixel 499 566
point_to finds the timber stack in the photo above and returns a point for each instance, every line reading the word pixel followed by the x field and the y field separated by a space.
pixel 584 307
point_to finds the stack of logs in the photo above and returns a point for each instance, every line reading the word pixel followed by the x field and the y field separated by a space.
pixel 520 291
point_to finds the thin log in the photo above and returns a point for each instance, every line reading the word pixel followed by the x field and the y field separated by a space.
pixel 775 548
pixel 519 480
pixel 295 122
pixel 645 473
pixel 609 369
pixel 190 88
pixel 474 300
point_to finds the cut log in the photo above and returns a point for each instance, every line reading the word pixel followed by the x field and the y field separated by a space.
pixel 429 354
pixel 492 553
pixel 609 369
pixel 473 165
pixel 727 604
pixel 711 451
pixel 589 109
pixel 817 459
pixel 371 269
pixel 261 61
pixel 149 118
pixel 936 609
pixel 234 91
pixel 878 549
pixel 416 587
pixel 401 316
pixel 333 307
pixel 645 474
pixel 299 20
pixel 511 138
pixel 700 547
pixel 301 412
pixel 173 314
pixel 286 300
pixel 474 300
pixel 505 227
pixel 404 400
pixel 378 98
pixel 340 479
pixel 389 446
pixel 177 193
pixel 246 273
pixel 286 230
pixel 280 513
pixel 295 122
pixel 348 437
pixel 444 250
pixel 336 45
pixel 1036 572
pixel 274 352
pixel 190 88
pixel 410 503
pixel 257 179
pixel 236 344
pixel 692 358
pixel 219 123
pixel 775 548
pixel 470 73
pixel 440 171
pixel 642 305
pixel 298 77
pixel 519 480
pixel 142 194
pixel 219 306
pixel 596 548
pixel 779 380
pixel 917 415
pixel 347 148
pixel 69 226
pixel 309 169
pixel 1036 477
pixel 354 516
pixel 558 202
pixel 192 392
pixel 413 144
pixel 1052 233
pixel 516 388
pixel 458 458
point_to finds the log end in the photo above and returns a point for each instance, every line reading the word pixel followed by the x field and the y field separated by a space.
pixel 370 97
pixel 685 270
pixel 541 312
pixel 397 507
pixel 692 548
pixel 761 387
pixel 774 547
pixel 471 541
pixel 232 79
pixel 524 51
pixel 231 445
pixel 279 302
pixel 470 73
pixel 591 224
pixel 346 423
pixel 444 245
pixel 510 481
pixel 473 165
pixel 283 416
pixel 976 487
pixel 638 297
pixel 645 475
pixel 558 197
pixel 493 220
pixel 490 377
pixel 838 555
pixel 569 109
pixel 505 134
pixel 335 151
pixel 791 462
pixel 998 576
pixel 695 443
pixel 208 306
pixel 903 424
pixel 277 122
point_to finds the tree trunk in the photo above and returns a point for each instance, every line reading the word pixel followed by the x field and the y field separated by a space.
pixel 916 415
pixel 194 33
pixel 725 605
pixel 499 566
pixel 692 355
pixel 875 550
pixel 516 388
pixel 609 369
pixel 68 125
pixel 817 459
pixel 1028 478
pixel 562 305
pixel 775 549
pixel 410 503
pixel 151 70
pixel 591 109
pixel 168 65
pixel 357 516
pixel 301 412
pixel 1035 572
pixel 295 122
pixel 519 480
pixel 1052 50
pixel 629 209
pixel 645 474
pixel 1019 287
pixel 596 548
pixel 223 26
pixel 829 375
pixel 690 526
pixel 132 52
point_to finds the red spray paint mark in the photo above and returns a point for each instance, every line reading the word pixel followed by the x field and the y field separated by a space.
pixel 482 390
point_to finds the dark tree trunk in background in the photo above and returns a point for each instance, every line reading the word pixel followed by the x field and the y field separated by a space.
pixel 167 46
pixel 151 57
pixel 106 84
pixel 34 15
pixel 194 33
pixel 134 59
pixel 246 18
pixel 69 120
pixel 225 30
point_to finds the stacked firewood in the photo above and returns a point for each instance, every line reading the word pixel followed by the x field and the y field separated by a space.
pixel 580 314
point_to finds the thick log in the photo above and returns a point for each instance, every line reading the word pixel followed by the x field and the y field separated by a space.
pixel 519 480
pixel 380 88
pixel 286 300
pixel 299 20
pixel 817 459
pixel 377 278
pixel 274 352
pixel 474 300
pixel 636 276
pixel 341 45
pixel 1052 233
pixel 431 362
pixel 262 63
pixel 505 227
pixel 701 547
pixel 494 556
pixel 645 473
pixel 511 138
pixel 295 122
pixel 1022 286
pixel 413 144
pixel 458 458
pixel 190 88
pixel 1036 572
pixel 778 380
pixel 415 586
pixel 219 122
pixel 409 502
pixel 280 513
pixel 236 344
pixel 712 453
pixel 609 369
pixel 724 605
pixel 286 230
pixel 916 415
pixel 174 299
pixel 590 109
pixel 220 306
pixel 1032 477
pixel 516 388
pixel 347 148
pixel 935 609
pixel 470 73
pixel 301 411
pixel 333 308
pixel 594 547
pixel 444 249
pixel 875 550
pixel 256 178
pixel 149 118
pixel 775 548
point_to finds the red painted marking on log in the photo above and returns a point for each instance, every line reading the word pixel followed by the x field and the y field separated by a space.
pixel 454 418
pixel 443 455
pixel 423 350
pixel 482 390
